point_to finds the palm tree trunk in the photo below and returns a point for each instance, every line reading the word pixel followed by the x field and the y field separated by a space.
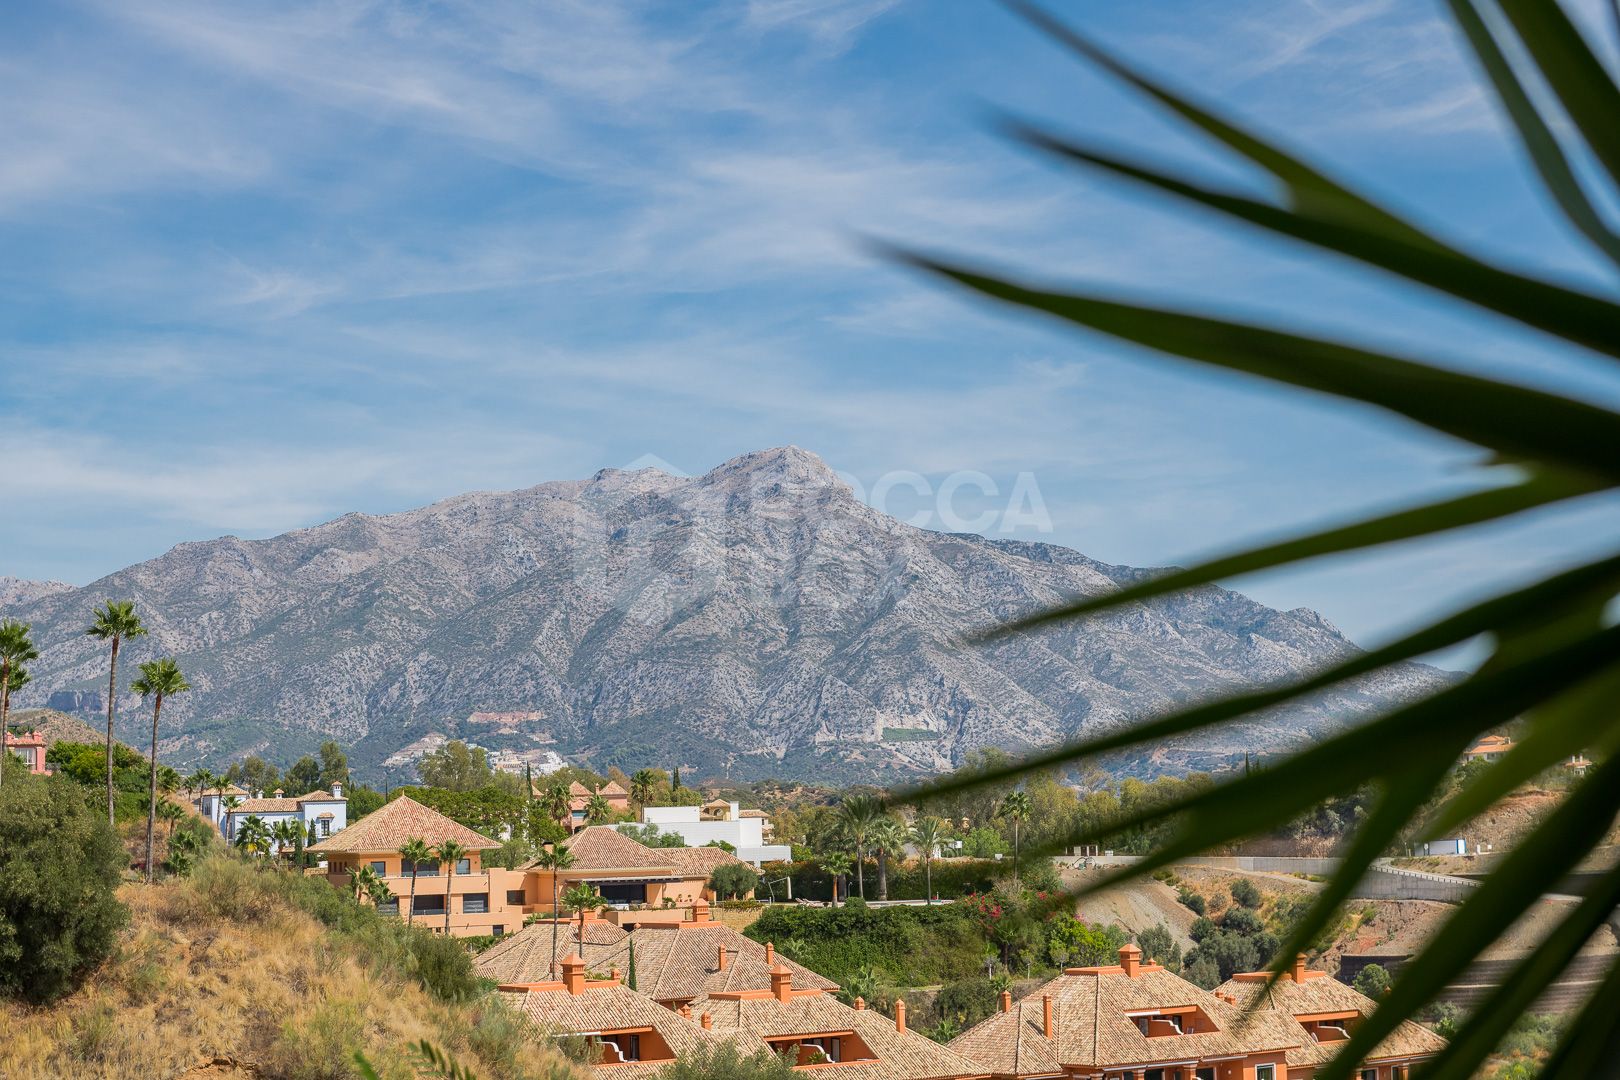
pixel 928 880
pixel 151 806
pixel 410 912
pixel 449 890
pixel 883 874
pixel 1015 850
pixel 5 707
pixel 860 870
pixel 112 708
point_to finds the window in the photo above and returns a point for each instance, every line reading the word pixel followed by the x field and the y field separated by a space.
pixel 464 866
pixel 389 906
pixel 1369 1074
pixel 428 905
pixel 626 1047
pixel 497 929
pixel 475 903
pixel 421 869
pixel 379 866
pixel 828 1046
pixel 514 897
pixel 326 827
pixel 1265 1072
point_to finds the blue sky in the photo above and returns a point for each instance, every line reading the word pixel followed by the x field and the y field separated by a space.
pixel 266 264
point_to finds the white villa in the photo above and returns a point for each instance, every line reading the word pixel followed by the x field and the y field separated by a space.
pixel 321 813
pixel 699 826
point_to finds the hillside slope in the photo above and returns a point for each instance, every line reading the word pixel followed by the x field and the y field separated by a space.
pixel 223 968
pixel 757 620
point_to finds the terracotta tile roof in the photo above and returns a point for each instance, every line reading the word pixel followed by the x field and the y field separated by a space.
pixel 266 806
pixel 577 788
pixel 698 862
pixel 1089 1012
pixel 898 1055
pixel 753 813
pixel 600 848
pixel 390 826
pixel 320 796
pixel 603 1006
pixel 613 789
pixel 1321 994
pixel 678 964
pixel 526 955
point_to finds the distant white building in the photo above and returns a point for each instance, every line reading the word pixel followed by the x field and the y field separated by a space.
pixel 320 813
pixel 699 826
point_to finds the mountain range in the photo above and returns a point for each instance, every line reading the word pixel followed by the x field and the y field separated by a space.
pixel 758 620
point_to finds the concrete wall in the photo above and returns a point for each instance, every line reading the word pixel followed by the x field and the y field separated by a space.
pixel 1380 883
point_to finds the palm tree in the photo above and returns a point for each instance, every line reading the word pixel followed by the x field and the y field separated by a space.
pixel 159 679
pixel 1015 808
pixel 558 801
pixel 252 835
pixel 582 897
pixel 1553 663
pixel 555 859
pixel 836 864
pixel 888 836
pixel 16 649
pixel 928 833
pixel 19 679
pixel 597 809
pixel 856 818
pixel 449 853
pixel 288 836
pixel 642 786
pixel 364 882
pixel 171 813
pixel 413 853
pixel 114 621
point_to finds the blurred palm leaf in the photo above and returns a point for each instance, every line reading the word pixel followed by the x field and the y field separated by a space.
pixel 1554 660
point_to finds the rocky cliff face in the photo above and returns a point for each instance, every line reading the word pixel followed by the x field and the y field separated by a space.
pixel 755 620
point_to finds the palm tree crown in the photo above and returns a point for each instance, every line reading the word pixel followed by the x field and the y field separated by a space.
pixel 928 833
pixel 856 818
pixel 16 649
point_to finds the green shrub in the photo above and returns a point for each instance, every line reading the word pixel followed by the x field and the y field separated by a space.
pixel 1192 901
pixel 1245 893
pixel 908 946
pixel 731 881
pixel 1372 981
pixel 60 864
pixel 1241 921
pixel 726 1062
pixel 967 1002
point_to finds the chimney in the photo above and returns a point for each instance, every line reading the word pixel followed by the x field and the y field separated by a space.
pixel 770 954
pixel 860 1004
pixel 337 789
pixel 1130 958
pixel 613 973
pixel 781 983
pixel 686 1009
pixel 573 974
pixel 700 910
pixel 707 1021
pixel 900 1015
pixel 1006 1001
pixel 1298 974
pixel 280 792
pixel 720 960
pixel 1046 1015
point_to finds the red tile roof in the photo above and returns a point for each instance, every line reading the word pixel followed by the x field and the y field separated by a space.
pixel 388 828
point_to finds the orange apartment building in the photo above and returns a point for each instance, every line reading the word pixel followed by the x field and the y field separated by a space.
pixel 636 1036
pixel 1136 1021
pixel 1326 1013
pixel 646 884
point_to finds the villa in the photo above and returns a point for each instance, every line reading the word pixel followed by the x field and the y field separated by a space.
pixel 642 885
pixel 613 793
pixel 1490 748
pixel 319 813
pixel 1326 1011
pixel 30 746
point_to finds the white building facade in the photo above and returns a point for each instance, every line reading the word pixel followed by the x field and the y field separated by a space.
pixel 319 813
pixel 700 826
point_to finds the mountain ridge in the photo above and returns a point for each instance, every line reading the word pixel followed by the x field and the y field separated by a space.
pixel 755 620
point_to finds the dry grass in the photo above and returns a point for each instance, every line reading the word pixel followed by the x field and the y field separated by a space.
pixel 258 984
